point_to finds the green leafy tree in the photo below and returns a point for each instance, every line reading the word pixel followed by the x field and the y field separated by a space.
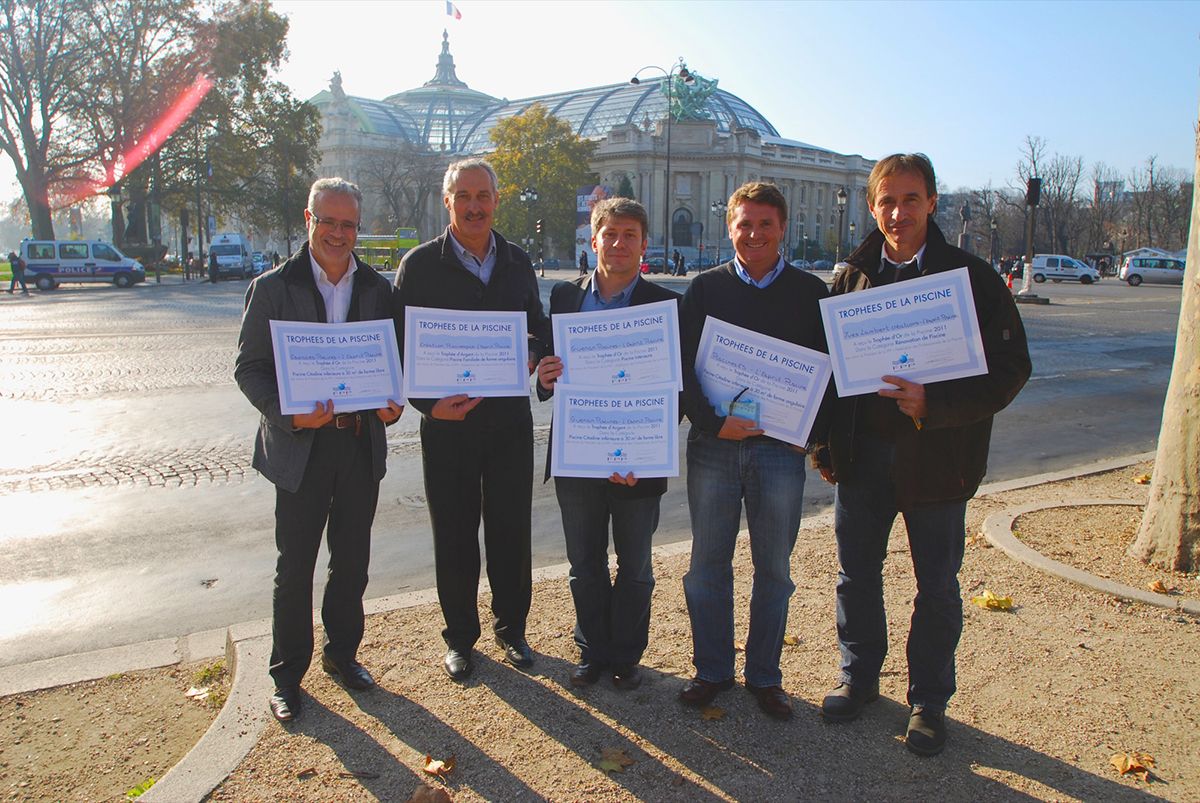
pixel 536 149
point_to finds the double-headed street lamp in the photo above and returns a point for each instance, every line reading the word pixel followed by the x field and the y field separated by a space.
pixel 680 69
pixel 718 209
pixel 529 197
pixel 841 207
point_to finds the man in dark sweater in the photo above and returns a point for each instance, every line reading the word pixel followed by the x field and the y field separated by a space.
pixel 729 459
pixel 920 450
pixel 477 453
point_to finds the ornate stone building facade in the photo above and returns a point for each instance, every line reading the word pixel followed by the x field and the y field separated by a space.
pixel 717 142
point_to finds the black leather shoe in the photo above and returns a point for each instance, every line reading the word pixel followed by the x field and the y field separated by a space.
pixel 926 734
pixel 285 703
pixel 457 664
pixel 773 701
pixel 516 651
pixel 585 674
pixel 699 692
pixel 627 677
pixel 845 702
pixel 351 674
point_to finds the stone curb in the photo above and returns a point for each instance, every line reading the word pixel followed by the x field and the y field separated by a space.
pixel 997 529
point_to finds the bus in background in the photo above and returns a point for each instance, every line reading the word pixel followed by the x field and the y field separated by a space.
pixel 383 251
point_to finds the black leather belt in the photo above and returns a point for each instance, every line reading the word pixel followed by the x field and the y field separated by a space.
pixel 346 421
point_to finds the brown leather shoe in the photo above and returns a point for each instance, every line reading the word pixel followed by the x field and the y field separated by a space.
pixel 699 692
pixel 773 701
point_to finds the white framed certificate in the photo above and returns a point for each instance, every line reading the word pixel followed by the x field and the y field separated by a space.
pixel 612 348
pixel 356 365
pixel 598 431
pixel 924 330
pixel 447 352
pixel 776 383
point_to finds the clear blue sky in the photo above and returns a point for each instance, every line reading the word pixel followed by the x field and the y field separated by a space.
pixel 964 82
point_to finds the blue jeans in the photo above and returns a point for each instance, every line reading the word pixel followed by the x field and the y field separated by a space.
pixel 612 619
pixel 769 475
pixel 865 507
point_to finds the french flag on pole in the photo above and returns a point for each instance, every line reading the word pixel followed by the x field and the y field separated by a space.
pixel 452 10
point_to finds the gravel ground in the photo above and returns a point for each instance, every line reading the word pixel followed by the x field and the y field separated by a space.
pixel 1048 693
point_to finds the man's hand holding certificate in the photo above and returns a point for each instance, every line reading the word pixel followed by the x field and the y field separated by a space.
pixel 922 330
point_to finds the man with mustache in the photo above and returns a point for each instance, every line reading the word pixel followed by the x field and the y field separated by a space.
pixel 477 453
pixel 920 450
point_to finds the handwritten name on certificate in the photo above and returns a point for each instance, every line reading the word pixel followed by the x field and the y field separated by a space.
pixel 598 431
pixel 923 329
pixel 447 352
pixel 357 365
pixel 784 383
pixel 631 346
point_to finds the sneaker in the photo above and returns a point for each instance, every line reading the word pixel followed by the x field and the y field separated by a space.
pixel 926 733
pixel 845 702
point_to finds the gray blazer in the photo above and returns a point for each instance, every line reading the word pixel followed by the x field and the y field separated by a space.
pixel 289 293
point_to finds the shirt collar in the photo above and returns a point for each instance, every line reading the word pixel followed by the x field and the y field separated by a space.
pixel 463 253
pixel 319 272
pixel 917 258
pixel 620 299
pixel 745 276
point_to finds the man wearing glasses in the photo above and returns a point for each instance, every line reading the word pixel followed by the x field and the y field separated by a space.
pixel 326 466
pixel 729 459
pixel 477 453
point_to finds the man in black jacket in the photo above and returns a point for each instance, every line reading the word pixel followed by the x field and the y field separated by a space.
pixel 612 620
pixel 325 465
pixel 477 453
pixel 730 460
pixel 920 450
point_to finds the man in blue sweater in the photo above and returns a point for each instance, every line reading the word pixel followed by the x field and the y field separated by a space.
pixel 729 459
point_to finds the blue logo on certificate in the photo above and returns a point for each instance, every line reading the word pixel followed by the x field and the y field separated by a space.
pixel 903 363
pixel 342 389
pixel 621 377
pixel 618 456
pixel 465 377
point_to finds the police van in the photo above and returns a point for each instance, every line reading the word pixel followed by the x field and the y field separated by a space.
pixel 234 256
pixel 49 263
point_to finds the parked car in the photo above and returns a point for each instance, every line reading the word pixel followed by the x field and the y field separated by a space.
pixel 259 259
pixel 1058 268
pixel 653 260
pixel 553 263
pixel 822 264
pixel 802 264
pixel 1153 270
pixel 49 263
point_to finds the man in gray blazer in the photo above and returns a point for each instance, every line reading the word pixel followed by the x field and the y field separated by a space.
pixel 326 465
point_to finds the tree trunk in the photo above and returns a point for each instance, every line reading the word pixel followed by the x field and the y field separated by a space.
pixel 36 194
pixel 1170 531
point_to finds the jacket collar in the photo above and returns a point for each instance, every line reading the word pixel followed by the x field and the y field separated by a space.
pixel 866 258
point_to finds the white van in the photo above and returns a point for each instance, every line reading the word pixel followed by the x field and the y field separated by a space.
pixel 49 263
pixel 1058 268
pixel 234 256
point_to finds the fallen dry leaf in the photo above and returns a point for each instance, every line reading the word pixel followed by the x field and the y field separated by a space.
pixel 438 767
pixel 991 602
pixel 358 774
pixel 429 794
pixel 198 694
pixel 616 754
pixel 712 712
pixel 791 641
pixel 739 646
pixel 1134 763
pixel 1159 587
pixel 1144 479
pixel 304 775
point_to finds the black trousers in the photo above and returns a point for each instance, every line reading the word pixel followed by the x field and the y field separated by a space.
pixel 473 470
pixel 338 489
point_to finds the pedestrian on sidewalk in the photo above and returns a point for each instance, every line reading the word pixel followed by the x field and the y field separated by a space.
pixel 326 466
pixel 17 266
pixel 914 449
pixel 212 266
pixel 730 461
pixel 612 619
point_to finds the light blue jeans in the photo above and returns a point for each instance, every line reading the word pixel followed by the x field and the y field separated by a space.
pixel 769 475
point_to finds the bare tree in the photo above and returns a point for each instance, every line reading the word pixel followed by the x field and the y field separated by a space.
pixel 1060 190
pixel 1108 203
pixel 39 63
pixel 1141 189
pixel 1170 531
pixel 404 179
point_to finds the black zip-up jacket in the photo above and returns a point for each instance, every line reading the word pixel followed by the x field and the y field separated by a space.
pixel 431 275
pixel 946 459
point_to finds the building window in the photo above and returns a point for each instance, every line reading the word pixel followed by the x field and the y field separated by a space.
pixel 681 227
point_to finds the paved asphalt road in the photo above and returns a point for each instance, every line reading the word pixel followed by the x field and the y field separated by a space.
pixel 130 511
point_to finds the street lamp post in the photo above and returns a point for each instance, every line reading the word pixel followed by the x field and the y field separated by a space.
pixel 680 69
pixel 718 209
pixel 529 197
pixel 852 242
pixel 841 207
pixel 805 237
pixel 992 246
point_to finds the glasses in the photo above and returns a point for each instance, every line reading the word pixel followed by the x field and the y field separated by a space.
pixel 340 226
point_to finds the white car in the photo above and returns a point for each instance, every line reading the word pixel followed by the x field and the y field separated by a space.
pixel 1059 268
pixel 1152 270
